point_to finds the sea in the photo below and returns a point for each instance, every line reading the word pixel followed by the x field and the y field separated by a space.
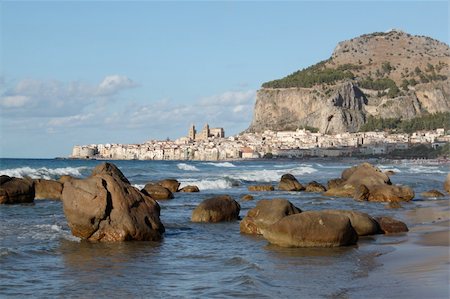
pixel 39 257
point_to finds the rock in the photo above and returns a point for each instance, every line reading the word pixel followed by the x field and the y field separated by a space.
pixel 110 169
pixel 393 205
pixel 341 191
pixel 389 172
pixel 266 213
pixel 247 197
pixel 384 193
pixel 190 188
pixel 365 174
pixel 315 187
pixel 157 192
pixel 216 209
pixel 361 193
pixel 289 183
pixel 104 207
pixel 389 225
pixel 432 193
pixel 64 178
pixel 334 183
pixel 47 189
pixel 312 229
pixel 447 183
pixel 170 184
pixel 259 188
pixel 363 223
pixel 16 190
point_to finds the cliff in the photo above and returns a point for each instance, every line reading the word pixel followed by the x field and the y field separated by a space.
pixel 387 75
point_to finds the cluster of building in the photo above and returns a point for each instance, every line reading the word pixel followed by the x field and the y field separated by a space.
pixel 211 144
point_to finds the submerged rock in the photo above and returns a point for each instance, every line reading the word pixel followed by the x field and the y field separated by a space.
pixel 389 193
pixel 312 229
pixel 217 209
pixel 247 197
pixel 157 192
pixel 47 189
pixel 289 183
pixel 390 225
pixel 266 213
pixel 261 188
pixel 15 190
pixel 190 188
pixel 432 193
pixel 104 207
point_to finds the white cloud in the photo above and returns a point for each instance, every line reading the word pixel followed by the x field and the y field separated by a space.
pixel 69 121
pixel 14 101
pixel 229 98
pixel 114 83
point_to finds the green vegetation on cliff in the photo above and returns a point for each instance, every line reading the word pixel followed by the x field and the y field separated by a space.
pixel 315 74
pixel 381 85
pixel 426 122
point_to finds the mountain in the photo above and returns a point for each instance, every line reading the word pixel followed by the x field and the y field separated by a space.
pixel 383 75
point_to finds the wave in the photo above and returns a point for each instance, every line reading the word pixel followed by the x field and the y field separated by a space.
pixel 48 232
pixel 43 172
pixel 425 169
pixel 210 184
pixel 388 168
pixel 187 167
pixel 222 164
pixel 273 174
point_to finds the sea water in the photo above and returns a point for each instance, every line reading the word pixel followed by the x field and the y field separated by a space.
pixel 39 257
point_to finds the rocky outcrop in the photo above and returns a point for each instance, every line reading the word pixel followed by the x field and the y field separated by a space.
pixel 190 188
pixel 418 66
pixel 260 188
pixel 157 192
pixel 390 225
pixel 388 193
pixel 104 207
pixel 363 223
pixel 15 190
pixel 216 209
pixel 170 184
pixel 266 213
pixel 47 189
pixel 315 187
pixel 312 229
pixel 289 183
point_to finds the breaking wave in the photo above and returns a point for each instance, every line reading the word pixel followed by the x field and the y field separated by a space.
pixel 222 164
pixel 187 167
pixel 43 172
pixel 211 184
pixel 425 169
pixel 273 174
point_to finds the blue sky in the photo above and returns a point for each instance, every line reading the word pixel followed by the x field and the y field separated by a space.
pixel 125 72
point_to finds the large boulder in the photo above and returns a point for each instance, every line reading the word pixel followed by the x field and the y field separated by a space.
pixel 16 190
pixel 170 184
pixel 312 229
pixel 190 188
pixel 365 174
pixel 289 183
pixel 260 188
pixel 363 223
pixel 315 187
pixel 157 192
pixel 390 225
pixel 266 213
pixel 110 169
pixel 47 189
pixel 216 209
pixel 389 193
pixel 447 183
pixel 104 207
pixel 334 183
pixel 345 190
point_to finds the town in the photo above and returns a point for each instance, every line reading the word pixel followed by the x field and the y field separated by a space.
pixel 212 145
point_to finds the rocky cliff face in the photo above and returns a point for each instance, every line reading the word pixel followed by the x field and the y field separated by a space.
pixel 392 75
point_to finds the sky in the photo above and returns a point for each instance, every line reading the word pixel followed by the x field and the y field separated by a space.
pixel 84 72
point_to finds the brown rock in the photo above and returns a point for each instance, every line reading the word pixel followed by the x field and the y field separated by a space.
pixel 447 183
pixel 47 189
pixel 266 213
pixel 315 187
pixel 170 184
pixel 341 191
pixel 312 229
pixel 432 193
pixel 105 208
pixel 389 225
pixel 260 188
pixel 393 205
pixel 16 190
pixel 157 192
pixel 334 183
pixel 289 183
pixel 386 193
pixel 361 193
pixel 363 223
pixel 65 178
pixel 247 197
pixel 365 174
pixel 190 188
pixel 389 172
pixel 110 169
pixel 216 209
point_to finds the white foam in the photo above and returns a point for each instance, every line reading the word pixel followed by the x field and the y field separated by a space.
pixel 425 169
pixel 208 184
pixel 43 172
pixel 388 168
pixel 187 167
pixel 47 232
pixel 273 174
pixel 222 164
pixel 139 186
